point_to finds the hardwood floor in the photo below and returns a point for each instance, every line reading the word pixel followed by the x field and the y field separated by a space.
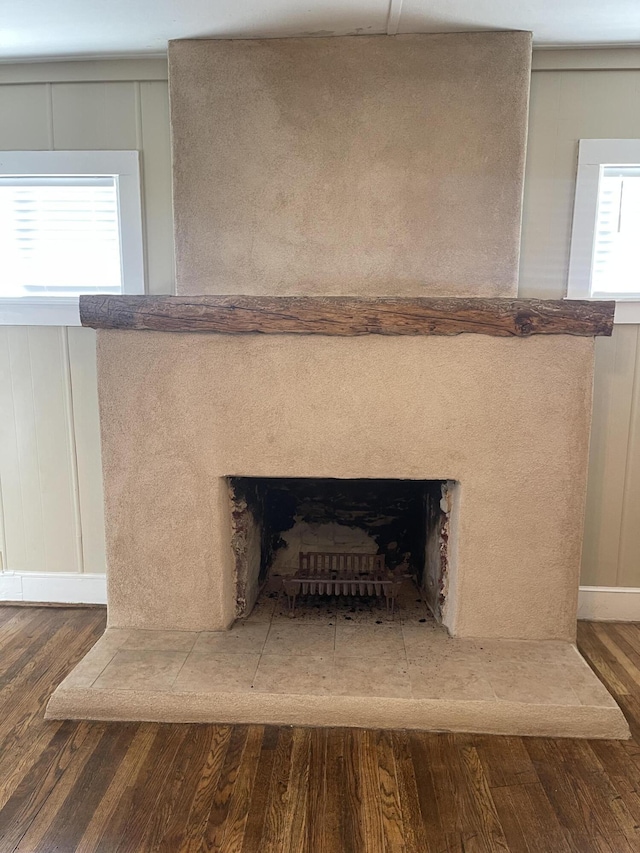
pixel 140 787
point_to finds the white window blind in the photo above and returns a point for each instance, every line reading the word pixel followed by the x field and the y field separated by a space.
pixel 59 236
pixel 616 250
pixel 70 223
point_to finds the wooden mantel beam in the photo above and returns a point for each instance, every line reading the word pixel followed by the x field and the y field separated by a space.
pixel 347 316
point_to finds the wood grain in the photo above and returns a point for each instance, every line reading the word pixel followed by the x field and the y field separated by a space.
pixel 103 787
pixel 349 316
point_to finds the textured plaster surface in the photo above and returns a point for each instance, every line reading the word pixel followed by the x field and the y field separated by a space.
pixel 505 718
pixel 361 165
pixel 508 419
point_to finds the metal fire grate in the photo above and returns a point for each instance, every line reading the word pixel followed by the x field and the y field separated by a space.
pixel 320 573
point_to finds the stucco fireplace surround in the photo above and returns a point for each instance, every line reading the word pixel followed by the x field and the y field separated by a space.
pixel 505 418
pixel 434 374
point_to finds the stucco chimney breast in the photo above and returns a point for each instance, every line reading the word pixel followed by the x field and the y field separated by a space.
pixel 364 165
pixel 346 167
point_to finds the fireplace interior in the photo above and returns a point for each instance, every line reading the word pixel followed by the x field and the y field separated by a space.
pixel 334 522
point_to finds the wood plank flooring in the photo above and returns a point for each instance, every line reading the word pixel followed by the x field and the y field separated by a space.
pixel 141 787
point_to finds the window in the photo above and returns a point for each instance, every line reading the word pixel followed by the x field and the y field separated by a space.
pixel 70 223
pixel 605 241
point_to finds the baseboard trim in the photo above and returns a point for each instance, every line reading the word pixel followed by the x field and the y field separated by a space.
pixel 609 603
pixel 54 587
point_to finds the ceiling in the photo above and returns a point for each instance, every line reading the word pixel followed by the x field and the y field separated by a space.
pixel 67 28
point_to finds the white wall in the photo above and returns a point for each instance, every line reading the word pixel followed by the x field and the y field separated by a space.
pixel 567 105
pixel 51 513
pixel 50 479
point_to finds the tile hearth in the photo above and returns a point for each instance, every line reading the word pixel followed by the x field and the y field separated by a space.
pixel 341 661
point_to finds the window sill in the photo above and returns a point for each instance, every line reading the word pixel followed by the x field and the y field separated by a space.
pixel 39 311
pixel 627 310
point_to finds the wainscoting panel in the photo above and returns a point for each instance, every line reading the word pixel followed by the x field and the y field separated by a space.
pixel 567 106
pixel 51 511
pixel 39 453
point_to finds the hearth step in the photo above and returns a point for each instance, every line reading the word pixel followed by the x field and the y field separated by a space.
pixel 347 574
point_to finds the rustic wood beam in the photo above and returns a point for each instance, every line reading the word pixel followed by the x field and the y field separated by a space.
pixel 305 315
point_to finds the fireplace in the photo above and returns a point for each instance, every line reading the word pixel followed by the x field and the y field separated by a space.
pixel 405 522
pixel 434 420
pixel 499 424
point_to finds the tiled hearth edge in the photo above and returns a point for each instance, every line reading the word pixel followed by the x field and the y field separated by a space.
pixel 349 316
pixel 513 718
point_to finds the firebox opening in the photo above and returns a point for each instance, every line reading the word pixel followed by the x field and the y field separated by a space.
pixel 274 520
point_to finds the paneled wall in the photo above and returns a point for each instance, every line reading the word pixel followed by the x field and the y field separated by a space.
pixel 51 516
pixel 49 458
pixel 568 105
pixel 50 480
